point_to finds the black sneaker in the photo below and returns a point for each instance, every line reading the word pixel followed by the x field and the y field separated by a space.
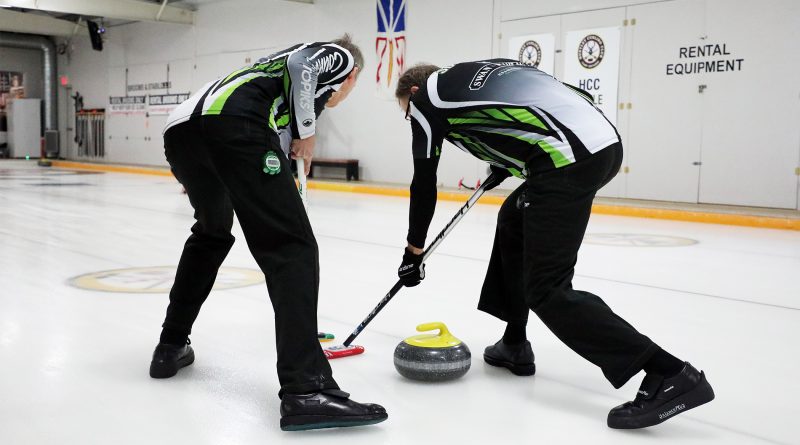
pixel 168 359
pixel 330 408
pixel 516 358
pixel 660 399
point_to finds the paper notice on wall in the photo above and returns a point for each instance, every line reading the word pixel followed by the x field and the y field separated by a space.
pixel 591 63
pixel 127 105
pixel 159 104
pixel 536 50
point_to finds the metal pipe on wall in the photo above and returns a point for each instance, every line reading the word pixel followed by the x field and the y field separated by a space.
pixel 48 48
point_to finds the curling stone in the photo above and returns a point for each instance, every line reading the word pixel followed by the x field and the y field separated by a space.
pixel 432 357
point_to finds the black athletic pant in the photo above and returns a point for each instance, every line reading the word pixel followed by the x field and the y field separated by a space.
pixel 533 262
pixel 219 160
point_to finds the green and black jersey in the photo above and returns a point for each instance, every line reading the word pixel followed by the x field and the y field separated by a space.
pixel 508 114
pixel 286 90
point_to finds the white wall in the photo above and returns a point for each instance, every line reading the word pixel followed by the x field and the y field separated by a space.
pixel 231 33
pixel 223 38
pixel 87 71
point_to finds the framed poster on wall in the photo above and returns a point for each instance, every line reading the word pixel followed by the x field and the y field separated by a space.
pixel 12 86
pixel 591 63
pixel 536 50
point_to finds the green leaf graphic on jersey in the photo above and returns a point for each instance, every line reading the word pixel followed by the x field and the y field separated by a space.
pixel 463 121
pixel 516 173
pixel 227 90
pixel 477 148
pixel 497 114
pixel 536 140
pixel 559 160
pixel 499 117
pixel 272 109
pixel 524 115
pixel 271 66
pixel 283 120
pixel 234 74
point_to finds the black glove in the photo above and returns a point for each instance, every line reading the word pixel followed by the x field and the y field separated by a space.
pixel 411 270
pixel 498 175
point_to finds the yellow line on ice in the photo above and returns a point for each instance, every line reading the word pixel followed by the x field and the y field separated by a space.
pixel 603 209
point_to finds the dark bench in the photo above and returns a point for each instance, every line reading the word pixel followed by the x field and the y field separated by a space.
pixel 350 166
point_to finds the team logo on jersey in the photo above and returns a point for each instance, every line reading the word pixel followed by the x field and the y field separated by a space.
pixel 307 122
pixel 530 54
pixel 591 51
pixel 480 78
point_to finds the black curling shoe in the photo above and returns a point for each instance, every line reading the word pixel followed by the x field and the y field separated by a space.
pixel 660 399
pixel 330 408
pixel 516 358
pixel 168 359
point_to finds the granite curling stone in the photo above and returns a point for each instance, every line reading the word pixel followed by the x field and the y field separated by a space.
pixel 432 357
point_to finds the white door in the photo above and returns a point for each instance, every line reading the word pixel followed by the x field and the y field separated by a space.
pixel 751 122
pixel 210 67
pixel 608 24
pixel 544 40
pixel 544 32
pixel 530 40
pixel 666 115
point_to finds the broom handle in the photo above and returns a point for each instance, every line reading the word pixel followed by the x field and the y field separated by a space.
pixel 490 181
pixel 301 178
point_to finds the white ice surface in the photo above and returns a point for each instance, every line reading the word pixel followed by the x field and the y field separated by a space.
pixel 73 363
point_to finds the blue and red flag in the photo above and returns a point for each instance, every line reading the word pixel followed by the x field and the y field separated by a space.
pixel 390 45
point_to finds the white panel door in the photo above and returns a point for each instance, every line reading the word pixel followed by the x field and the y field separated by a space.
pixel 546 27
pixel 211 67
pixel 751 125
pixel 116 81
pixel 117 137
pixel 115 134
pixel 139 147
pixel 511 31
pixel 605 18
pixel 666 117
pixel 180 75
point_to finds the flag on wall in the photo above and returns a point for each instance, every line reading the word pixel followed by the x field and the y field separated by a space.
pixel 390 45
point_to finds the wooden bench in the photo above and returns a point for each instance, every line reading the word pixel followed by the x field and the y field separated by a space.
pixel 350 166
